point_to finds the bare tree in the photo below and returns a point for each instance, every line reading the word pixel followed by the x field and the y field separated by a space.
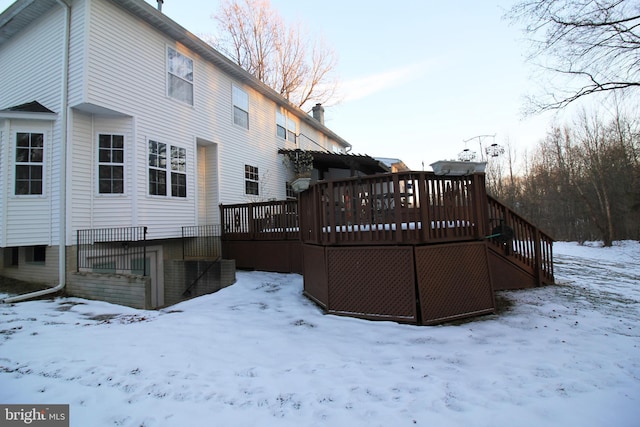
pixel 595 44
pixel 283 57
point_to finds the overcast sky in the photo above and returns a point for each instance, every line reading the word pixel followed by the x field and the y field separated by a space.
pixel 419 77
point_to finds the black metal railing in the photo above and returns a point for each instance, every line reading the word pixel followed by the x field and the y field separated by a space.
pixel 113 250
pixel 201 241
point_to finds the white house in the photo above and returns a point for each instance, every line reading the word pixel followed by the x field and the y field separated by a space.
pixel 114 116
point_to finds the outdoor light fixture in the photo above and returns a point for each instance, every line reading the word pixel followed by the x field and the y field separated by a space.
pixel 494 150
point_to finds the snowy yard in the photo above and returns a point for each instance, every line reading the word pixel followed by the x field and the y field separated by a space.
pixel 259 354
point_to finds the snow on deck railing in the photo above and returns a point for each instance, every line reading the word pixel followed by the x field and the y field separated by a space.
pixel 393 227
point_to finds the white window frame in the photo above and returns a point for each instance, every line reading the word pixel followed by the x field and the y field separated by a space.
pixel 158 163
pixel 281 124
pixel 172 165
pixel 178 160
pixel 240 101
pixel 30 163
pixel 251 176
pixel 180 72
pixel 111 163
pixel 286 127
pixel 291 131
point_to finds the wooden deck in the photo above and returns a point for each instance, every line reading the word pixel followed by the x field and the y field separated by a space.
pixel 411 247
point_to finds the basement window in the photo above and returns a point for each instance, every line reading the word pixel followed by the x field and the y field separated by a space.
pixel 35 254
pixel 11 257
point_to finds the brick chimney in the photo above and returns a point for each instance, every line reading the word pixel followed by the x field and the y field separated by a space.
pixel 318 113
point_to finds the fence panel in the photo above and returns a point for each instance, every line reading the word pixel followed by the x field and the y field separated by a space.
pixel 400 208
pixel 201 242
pixel 113 250
pixel 273 220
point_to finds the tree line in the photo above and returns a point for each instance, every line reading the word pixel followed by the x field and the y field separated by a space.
pixel 581 183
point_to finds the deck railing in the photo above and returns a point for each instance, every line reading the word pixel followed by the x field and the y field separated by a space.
pixel 113 250
pixel 399 208
pixel 411 208
pixel 518 239
pixel 274 220
pixel 201 242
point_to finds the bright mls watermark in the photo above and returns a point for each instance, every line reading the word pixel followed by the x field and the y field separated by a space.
pixel 34 415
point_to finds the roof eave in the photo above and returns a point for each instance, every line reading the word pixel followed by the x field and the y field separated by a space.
pixel 27 115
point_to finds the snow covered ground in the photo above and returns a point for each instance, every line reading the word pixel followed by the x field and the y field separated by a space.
pixel 259 354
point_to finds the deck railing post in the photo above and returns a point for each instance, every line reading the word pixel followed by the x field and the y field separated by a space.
pixel 397 207
pixel 78 251
pixel 222 220
pixel 144 251
pixel 481 205
pixel 331 227
pixel 423 187
pixel 538 256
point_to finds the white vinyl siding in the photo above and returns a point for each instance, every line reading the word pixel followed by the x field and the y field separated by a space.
pixel 125 71
pixel 28 218
pixel 89 207
pixel 31 65
pixel 117 79
pixel 78 53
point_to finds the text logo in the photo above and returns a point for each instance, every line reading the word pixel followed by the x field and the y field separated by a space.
pixel 34 415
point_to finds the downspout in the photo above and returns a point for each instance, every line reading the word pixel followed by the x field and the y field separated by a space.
pixel 62 230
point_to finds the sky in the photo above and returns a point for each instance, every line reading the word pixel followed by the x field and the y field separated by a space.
pixel 418 77
pixel 258 353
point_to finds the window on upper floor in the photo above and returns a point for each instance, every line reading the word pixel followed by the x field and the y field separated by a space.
pixel 240 107
pixel 251 180
pixel 291 130
pixel 281 124
pixel 110 164
pixel 179 76
pixel 285 127
pixel 29 163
